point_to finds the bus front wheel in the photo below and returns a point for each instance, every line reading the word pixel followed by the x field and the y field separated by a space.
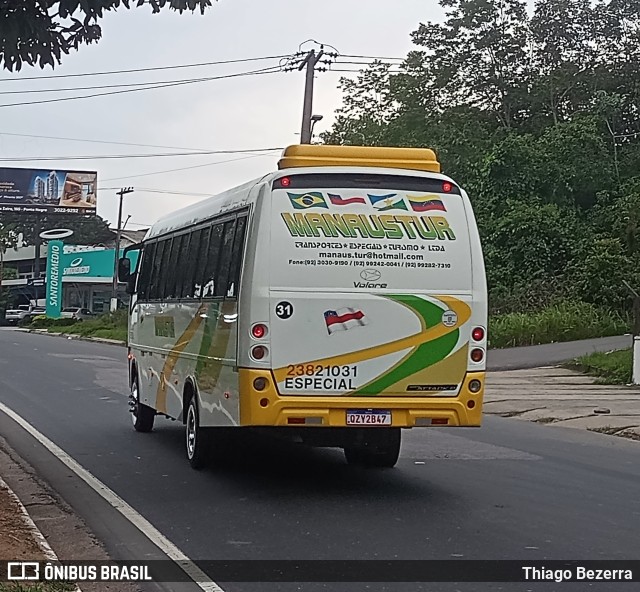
pixel 196 437
pixel 379 449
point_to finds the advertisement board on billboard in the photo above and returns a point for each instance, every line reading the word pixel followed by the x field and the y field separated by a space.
pixel 46 191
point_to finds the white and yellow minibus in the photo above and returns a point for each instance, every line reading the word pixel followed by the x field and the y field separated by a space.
pixel 336 301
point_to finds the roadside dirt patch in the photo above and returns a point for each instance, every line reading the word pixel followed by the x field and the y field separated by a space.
pixel 16 542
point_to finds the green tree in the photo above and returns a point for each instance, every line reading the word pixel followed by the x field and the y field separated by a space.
pixel 39 32
pixel 597 275
pixel 479 55
pixel 87 230
pixel 9 236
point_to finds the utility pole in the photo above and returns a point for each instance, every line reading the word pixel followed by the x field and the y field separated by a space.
pixel 37 243
pixel 310 61
pixel 114 290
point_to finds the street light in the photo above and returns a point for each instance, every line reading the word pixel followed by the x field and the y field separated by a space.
pixel 116 255
pixel 314 120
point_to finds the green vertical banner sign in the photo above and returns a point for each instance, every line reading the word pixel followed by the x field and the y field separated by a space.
pixel 54 279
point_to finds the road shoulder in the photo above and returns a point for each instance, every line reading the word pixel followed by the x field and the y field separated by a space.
pixel 563 397
pixel 64 534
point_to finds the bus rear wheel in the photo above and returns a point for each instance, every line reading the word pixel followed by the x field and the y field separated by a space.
pixel 141 415
pixel 380 449
pixel 196 436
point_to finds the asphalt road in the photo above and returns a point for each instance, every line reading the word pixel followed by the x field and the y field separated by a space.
pixel 511 490
pixel 551 353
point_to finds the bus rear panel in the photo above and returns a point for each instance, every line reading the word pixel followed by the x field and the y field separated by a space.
pixel 377 304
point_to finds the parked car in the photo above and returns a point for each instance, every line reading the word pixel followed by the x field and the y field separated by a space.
pixel 14 315
pixel 78 314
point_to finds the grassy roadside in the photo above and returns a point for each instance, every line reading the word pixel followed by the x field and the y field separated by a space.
pixel 107 326
pixel 93 329
pixel 610 367
pixel 566 321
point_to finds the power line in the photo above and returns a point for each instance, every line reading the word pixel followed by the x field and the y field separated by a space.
pixel 197 166
pixel 103 86
pixel 344 55
pixel 164 191
pixel 359 71
pixel 270 70
pixel 197 65
pixel 370 63
pixel 100 141
pixel 118 156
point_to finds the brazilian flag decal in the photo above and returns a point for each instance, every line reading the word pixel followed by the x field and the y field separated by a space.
pixel 312 199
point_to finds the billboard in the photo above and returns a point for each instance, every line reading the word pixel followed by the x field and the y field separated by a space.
pixel 46 191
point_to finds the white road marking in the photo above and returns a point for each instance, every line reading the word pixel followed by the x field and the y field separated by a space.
pixel 115 501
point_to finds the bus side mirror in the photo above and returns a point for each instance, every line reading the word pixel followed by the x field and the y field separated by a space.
pixel 124 270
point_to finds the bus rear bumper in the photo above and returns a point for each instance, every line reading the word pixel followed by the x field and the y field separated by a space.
pixel 268 408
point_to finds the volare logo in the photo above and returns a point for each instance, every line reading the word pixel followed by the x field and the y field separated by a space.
pixel 370 275
pixel 368 285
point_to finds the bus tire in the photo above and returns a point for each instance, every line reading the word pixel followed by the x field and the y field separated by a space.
pixel 142 415
pixel 380 450
pixel 196 437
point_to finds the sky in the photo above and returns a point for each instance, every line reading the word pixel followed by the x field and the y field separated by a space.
pixel 250 112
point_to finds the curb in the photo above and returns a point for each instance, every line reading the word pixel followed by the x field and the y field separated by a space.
pixel 36 533
pixel 78 337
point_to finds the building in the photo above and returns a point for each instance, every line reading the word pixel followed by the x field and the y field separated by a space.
pixel 53 187
pixel 87 283
pixel 40 188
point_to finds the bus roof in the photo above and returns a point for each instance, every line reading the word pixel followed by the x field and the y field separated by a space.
pixel 311 155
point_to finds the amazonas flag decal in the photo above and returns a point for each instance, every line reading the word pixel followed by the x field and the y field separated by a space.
pixel 312 199
pixel 344 319
pixel 391 201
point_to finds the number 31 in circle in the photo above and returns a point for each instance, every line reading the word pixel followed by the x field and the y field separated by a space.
pixel 284 309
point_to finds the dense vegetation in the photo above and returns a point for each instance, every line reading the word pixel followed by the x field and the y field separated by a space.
pixel 537 115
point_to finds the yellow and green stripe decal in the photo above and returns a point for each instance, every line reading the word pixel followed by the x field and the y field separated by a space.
pixel 424 355
pixel 173 357
pixel 432 331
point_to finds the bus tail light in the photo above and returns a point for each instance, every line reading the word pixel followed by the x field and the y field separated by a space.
pixel 477 334
pixel 259 352
pixel 259 331
pixel 477 354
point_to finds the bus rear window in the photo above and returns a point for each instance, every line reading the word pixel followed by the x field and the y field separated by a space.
pixel 359 180
pixel 403 233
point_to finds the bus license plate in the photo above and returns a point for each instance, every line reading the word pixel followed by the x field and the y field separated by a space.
pixel 368 417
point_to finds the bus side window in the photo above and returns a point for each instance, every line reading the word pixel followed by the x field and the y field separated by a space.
pixel 225 258
pixel 154 286
pixel 166 272
pixel 144 280
pixel 211 260
pixel 174 266
pixel 236 258
pixel 189 279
